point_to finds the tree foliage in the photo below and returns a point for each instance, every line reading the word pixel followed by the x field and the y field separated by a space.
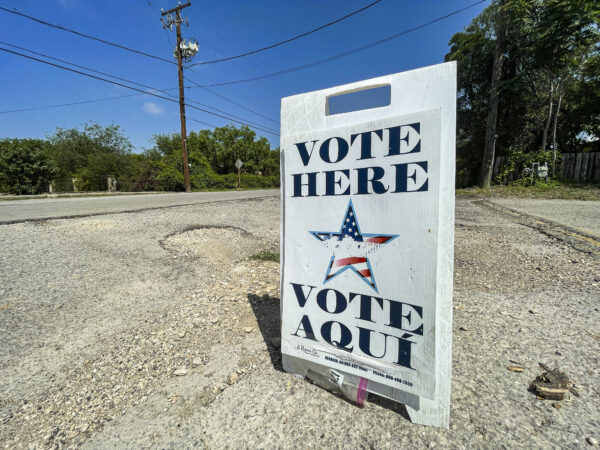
pixel 93 153
pixel 549 75
pixel 24 168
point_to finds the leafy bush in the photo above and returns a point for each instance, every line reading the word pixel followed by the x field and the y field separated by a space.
pixel 24 168
pixel 519 160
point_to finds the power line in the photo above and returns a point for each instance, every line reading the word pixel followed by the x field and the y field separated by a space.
pixel 229 114
pixel 349 52
pixel 82 102
pixel 131 82
pixel 87 36
pixel 252 52
pixel 231 101
pixel 82 67
pixel 129 87
pixel 203 123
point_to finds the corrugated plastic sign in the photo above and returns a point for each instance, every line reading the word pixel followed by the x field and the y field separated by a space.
pixel 368 217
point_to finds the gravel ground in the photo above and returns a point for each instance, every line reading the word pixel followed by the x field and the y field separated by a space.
pixel 154 329
pixel 582 215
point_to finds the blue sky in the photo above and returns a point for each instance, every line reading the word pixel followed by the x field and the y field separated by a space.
pixel 222 28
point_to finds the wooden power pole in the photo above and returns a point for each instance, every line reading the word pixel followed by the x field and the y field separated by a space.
pixel 174 18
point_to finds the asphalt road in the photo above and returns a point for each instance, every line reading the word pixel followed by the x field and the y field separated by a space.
pixel 48 208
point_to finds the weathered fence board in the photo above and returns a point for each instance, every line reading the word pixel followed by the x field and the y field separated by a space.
pixel 584 164
pixel 590 171
pixel 581 167
pixel 577 173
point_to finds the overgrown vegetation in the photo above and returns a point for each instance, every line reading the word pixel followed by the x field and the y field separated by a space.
pixel 540 190
pixel 266 255
pixel 82 159
pixel 549 89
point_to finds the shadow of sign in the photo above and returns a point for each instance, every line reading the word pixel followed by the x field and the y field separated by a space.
pixel 267 311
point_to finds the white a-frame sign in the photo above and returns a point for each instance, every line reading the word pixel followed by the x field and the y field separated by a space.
pixel 367 241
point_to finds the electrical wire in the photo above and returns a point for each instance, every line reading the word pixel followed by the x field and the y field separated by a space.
pixel 82 102
pixel 231 101
pixel 349 52
pixel 130 87
pixel 87 36
pixel 134 83
pixel 83 67
pixel 268 47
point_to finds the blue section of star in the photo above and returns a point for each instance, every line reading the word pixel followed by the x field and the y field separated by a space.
pixel 360 265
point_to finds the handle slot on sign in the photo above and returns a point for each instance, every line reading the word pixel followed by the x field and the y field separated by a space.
pixel 358 99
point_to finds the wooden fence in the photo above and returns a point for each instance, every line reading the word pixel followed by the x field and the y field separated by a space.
pixel 579 167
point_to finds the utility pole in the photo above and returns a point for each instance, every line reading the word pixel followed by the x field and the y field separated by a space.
pixel 183 51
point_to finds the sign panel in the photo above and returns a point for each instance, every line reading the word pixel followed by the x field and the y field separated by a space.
pixel 368 204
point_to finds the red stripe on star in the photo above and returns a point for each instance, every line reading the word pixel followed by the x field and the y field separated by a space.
pixel 348 261
pixel 365 272
pixel 378 239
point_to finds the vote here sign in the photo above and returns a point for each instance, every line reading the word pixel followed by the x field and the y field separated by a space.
pixel 367 232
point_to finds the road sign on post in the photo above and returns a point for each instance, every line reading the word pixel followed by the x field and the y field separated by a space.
pixel 238 165
pixel 368 238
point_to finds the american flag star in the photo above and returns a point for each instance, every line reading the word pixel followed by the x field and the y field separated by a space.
pixel 351 248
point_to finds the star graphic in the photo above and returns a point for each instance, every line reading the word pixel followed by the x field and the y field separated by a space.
pixel 351 248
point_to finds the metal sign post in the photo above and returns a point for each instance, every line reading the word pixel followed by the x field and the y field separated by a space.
pixel 368 241
pixel 238 165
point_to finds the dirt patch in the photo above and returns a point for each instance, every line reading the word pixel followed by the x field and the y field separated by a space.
pixel 217 244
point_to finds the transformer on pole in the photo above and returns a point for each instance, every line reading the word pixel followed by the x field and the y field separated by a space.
pixel 184 51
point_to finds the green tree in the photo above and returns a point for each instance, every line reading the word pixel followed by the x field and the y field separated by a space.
pixel 24 168
pixel 91 155
pixel 547 80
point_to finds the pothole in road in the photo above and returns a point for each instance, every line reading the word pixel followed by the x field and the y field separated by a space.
pixel 218 244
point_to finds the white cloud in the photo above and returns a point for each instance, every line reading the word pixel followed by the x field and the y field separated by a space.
pixel 152 108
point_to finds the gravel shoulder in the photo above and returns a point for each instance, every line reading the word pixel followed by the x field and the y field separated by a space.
pixel 171 341
pixel 578 214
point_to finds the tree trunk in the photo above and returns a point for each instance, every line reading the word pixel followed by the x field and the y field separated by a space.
pixel 485 177
pixel 549 117
pixel 561 93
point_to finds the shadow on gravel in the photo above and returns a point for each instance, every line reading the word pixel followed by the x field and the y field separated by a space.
pixel 267 312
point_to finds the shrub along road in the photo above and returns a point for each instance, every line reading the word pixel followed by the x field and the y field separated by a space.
pixel 156 329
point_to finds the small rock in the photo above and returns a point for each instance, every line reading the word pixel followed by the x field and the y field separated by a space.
pixel 196 362
pixel 233 378
pixel 592 441
pixel 215 320
pixel 248 329
pixel 463 329
pixel 181 371
pixel 516 368
pixel 182 333
pixel 557 405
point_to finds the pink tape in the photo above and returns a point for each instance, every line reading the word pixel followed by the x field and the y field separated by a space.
pixel 361 393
